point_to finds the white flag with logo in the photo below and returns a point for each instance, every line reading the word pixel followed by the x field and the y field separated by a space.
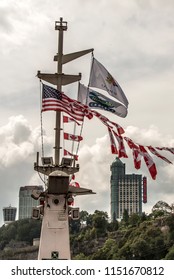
pixel 96 100
pixel 101 78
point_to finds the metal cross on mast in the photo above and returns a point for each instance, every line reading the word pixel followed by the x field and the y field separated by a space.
pixel 54 209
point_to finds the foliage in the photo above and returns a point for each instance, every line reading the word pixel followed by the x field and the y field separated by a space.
pixel 22 230
pixel 94 237
pixel 170 254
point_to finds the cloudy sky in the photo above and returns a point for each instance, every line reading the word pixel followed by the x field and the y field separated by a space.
pixel 134 41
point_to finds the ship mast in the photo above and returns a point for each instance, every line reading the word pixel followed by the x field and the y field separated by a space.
pixel 55 208
pixel 60 79
pixel 61 26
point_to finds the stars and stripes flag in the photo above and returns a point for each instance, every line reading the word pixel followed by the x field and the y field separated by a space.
pixel 101 78
pixel 52 99
pixel 68 136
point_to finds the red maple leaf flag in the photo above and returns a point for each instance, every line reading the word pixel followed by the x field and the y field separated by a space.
pixel 72 137
pixel 135 152
pixel 66 153
pixel 75 184
pixel 107 122
pixel 67 119
pixel 149 162
pixel 121 147
pixel 153 151
pixel 166 149
pixel 112 141
pixel 120 130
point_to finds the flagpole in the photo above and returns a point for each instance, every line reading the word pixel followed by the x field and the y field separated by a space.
pixel 60 26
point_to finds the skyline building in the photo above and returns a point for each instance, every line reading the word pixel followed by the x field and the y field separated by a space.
pixel 26 202
pixel 9 214
pixel 126 191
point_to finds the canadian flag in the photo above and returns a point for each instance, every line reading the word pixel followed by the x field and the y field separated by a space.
pixel 153 151
pixel 66 153
pixel 121 149
pixel 149 162
pixel 107 122
pixel 135 151
pixel 68 119
pixel 120 130
pixel 68 136
pixel 102 118
pixel 112 141
pixel 75 184
pixel 166 149
pixel 137 158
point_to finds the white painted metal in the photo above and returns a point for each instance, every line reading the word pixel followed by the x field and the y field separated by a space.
pixel 55 229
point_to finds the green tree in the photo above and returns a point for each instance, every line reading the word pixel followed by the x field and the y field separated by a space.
pixel 106 251
pixel 134 219
pixel 113 226
pixel 126 217
pixel 161 207
pixel 140 249
pixel 100 222
pixel 170 254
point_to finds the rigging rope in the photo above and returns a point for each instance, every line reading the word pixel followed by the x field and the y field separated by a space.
pixel 41 133
pixel 92 56
pixel 41 121
pixel 78 145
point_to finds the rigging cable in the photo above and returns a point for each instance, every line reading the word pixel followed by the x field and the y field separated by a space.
pixel 41 133
pixel 92 58
pixel 78 145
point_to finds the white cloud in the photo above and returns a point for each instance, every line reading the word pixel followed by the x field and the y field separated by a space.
pixel 19 144
pixel 95 161
pixel 134 41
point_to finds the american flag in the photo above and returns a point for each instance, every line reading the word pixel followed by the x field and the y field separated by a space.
pixel 54 100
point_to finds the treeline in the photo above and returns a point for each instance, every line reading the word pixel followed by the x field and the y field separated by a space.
pixel 95 237
pixel 145 237
pixel 19 231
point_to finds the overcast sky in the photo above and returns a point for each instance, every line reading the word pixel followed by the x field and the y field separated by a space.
pixel 134 40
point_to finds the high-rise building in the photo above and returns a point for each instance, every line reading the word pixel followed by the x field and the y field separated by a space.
pixel 9 214
pixel 26 202
pixel 126 191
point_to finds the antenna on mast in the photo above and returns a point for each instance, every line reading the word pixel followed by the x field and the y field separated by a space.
pixel 61 26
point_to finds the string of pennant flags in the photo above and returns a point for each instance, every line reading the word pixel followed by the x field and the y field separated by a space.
pixel 85 107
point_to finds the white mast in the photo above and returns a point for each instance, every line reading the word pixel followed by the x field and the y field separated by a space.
pixel 54 240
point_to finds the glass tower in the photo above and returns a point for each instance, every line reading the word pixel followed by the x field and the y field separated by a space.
pixel 126 191
pixel 26 202
pixel 9 214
